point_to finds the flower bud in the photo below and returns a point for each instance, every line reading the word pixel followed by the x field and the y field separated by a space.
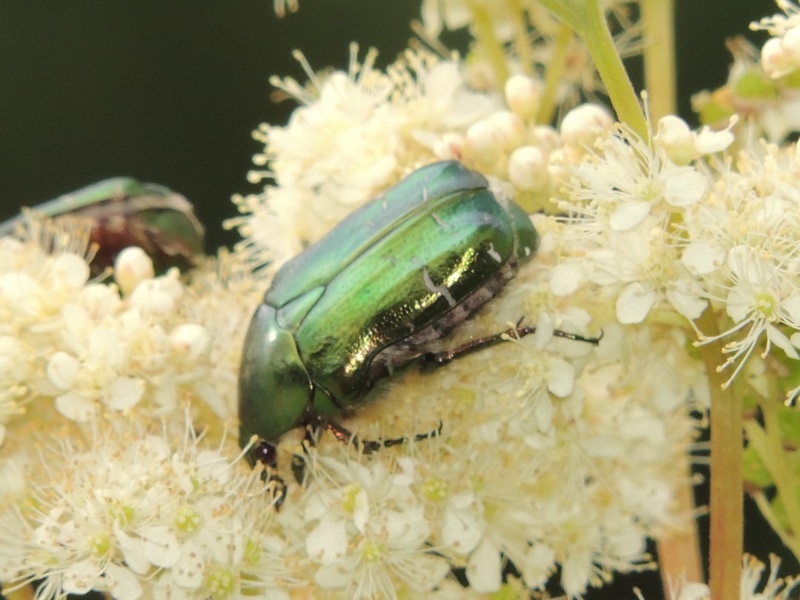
pixel 676 139
pixel 510 127
pixel 450 146
pixel 131 268
pixel 486 142
pixel 791 45
pixel 583 124
pixel 190 340
pixel 546 138
pixel 527 169
pixel 775 60
pixel 522 95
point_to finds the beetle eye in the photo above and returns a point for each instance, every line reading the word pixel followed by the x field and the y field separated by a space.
pixel 267 454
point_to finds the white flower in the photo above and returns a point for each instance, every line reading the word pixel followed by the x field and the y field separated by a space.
pixel 780 24
pixel 624 179
pixel 135 512
pixel 761 298
pixel 455 14
pixel 369 533
pixel 131 267
pixel 683 145
pixel 96 374
pixel 356 134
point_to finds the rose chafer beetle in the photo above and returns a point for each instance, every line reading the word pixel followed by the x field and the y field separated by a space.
pixel 125 212
pixel 373 295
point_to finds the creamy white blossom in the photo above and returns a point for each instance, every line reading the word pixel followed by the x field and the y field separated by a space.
pixel 130 510
pixel 558 457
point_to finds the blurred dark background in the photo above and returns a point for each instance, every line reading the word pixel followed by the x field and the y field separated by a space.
pixel 169 91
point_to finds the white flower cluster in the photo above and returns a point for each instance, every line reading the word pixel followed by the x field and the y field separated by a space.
pixel 780 55
pixel 137 514
pixel 576 426
pixel 78 343
pixel 762 83
pixel 689 235
pixel 621 197
pixel 545 455
pixel 357 134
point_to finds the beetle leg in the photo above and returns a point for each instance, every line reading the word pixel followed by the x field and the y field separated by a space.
pixel 417 438
pixel 345 436
pixel 518 331
pixel 298 465
pixel 267 455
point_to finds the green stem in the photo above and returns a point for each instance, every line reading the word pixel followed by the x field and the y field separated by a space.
pixel 768 444
pixel 727 502
pixel 586 17
pixel 658 17
pixel 555 70
pixel 612 72
pixel 484 35
pixel 521 39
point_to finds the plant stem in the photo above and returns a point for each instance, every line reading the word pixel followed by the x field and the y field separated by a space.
pixel 612 72
pixel 658 17
pixel 767 442
pixel 484 35
pixel 765 508
pixel 679 554
pixel 587 19
pixel 23 593
pixel 555 69
pixel 521 37
pixel 727 503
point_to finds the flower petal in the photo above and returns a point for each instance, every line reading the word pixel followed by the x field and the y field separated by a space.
pixel 484 568
pixel 75 407
pixel 634 303
pixel 327 542
pixel 628 215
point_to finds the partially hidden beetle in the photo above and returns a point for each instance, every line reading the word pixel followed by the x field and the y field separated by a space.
pixel 371 296
pixel 125 212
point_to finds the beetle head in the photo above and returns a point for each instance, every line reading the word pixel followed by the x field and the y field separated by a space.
pixel 274 386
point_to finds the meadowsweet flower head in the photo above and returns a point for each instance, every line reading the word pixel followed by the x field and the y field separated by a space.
pixel 395 520
pixel 548 452
pixel 780 55
pixel 132 509
pixel 72 349
pixel 356 134
pixel 742 243
pixel 622 196
pixel 759 89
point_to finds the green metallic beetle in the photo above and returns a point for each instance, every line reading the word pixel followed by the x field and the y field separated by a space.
pixel 125 212
pixel 372 296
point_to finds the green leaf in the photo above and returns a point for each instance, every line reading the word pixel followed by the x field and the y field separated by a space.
pixel 755 472
pixel 755 85
pixel 712 112
pixel 789 420
pixel 779 512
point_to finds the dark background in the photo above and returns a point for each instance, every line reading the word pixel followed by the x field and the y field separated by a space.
pixel 169 91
